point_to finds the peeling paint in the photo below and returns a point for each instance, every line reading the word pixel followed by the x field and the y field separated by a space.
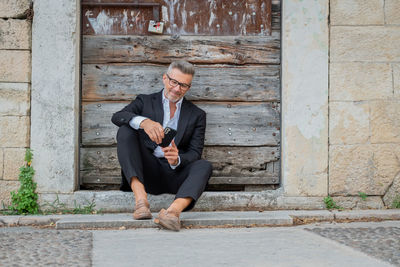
pixel 124 21
pixel 212 18
pixel 164 12
pixel 102 24
pixel 243 25
pixel 182 17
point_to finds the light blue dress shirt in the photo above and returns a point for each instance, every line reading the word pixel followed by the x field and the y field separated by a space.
pixel 167 122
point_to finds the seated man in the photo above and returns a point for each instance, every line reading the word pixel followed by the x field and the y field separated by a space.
pixel 176 169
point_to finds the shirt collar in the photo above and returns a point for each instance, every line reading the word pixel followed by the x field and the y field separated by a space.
pixel 165 100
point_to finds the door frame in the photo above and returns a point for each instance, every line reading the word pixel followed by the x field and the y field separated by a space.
pixel 55 105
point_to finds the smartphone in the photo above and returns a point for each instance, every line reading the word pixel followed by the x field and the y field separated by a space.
pixel 169 134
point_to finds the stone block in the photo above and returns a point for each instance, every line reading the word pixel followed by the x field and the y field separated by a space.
pixel 14 158
pixel 14 99
pixel 308 165
pixel 15 66
pixel 385 121
pixel 371 202
pixel 365 43
pixel 305 66
pixel 392 11
pixel 356 12
pixel 393 192
pixel 13 8
pixel 362 168
pixel 1 163
pixel 55 95
pixel 360 81
pixel 396 80
pixel 367 215
pixel 15 34
pixel 311 185
pixel 5 188
pixel 348 122
pixel 14 131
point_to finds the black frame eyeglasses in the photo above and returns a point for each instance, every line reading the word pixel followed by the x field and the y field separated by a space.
pixel 175 83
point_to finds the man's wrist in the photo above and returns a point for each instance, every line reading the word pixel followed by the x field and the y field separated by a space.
pixel 136 122
pixel 141 123
pixel 173 166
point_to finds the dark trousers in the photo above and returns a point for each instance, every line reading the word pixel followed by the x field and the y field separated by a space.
pixel 155 173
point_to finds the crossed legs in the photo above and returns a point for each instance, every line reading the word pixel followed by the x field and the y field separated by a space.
pixel 145 173
pixel 177 206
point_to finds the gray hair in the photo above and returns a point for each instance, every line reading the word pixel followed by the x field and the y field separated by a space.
pixel 182 65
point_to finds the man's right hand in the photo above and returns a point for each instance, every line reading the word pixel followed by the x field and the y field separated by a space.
pixel 153 129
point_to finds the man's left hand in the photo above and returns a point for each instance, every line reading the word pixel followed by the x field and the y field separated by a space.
pixel 171 153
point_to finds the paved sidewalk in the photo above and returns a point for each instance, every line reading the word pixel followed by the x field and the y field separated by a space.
pixel 318 244
pixel 204 219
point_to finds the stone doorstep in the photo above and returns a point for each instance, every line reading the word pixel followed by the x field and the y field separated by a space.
pixel 203 219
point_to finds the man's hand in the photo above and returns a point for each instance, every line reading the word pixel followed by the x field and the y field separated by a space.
pixel 171 153
pixel 153 129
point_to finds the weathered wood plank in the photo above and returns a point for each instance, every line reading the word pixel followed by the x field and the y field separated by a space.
pixel 216 83
pixel 228 123
pixel 276 15
pixel 217 17
pixel 268 179
pixel 241 161
pixel 227 161
pixel 196 49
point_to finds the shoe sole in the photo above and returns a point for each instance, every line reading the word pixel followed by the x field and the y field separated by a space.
pixel 165 225
pixel 143 216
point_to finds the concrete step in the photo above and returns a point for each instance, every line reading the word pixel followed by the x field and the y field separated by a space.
pixel 118 202
pixel 202 219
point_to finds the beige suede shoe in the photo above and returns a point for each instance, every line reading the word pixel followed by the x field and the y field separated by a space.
pixel 142 210
pixel 168 220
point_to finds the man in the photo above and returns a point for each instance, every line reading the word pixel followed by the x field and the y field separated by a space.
pixel 176 169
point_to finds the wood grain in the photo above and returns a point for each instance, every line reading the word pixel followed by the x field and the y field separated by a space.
pixel 228 123
pixel 267 179
pixel 226 161
pixel 217 17
pixel 231 165
pixel 213 83
pixel 196 49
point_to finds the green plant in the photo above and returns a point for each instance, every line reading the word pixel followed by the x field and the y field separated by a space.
pixel 24 201
pixel 87 209
pixel 330 204
pixel 58 207
pixel 396 202
pixel 362 195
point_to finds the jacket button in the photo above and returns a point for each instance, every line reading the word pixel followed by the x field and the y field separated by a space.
pixel 122 120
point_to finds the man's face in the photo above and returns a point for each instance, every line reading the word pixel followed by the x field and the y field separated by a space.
pixel 176 84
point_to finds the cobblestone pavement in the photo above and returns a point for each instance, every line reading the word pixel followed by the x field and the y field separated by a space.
pixel 308 245
pixel 23 246
pixel 379 242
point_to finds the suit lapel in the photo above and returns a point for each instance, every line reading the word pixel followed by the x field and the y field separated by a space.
pixel 183 120
pixel 158 108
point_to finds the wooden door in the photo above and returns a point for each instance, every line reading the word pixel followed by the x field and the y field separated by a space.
pixel 235 46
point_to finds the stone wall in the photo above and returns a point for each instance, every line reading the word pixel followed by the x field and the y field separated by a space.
pixel 364 98
pixel 15 68
pixel 363 115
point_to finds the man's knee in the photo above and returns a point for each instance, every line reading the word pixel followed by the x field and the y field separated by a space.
pixel 125 133
pixel 204 165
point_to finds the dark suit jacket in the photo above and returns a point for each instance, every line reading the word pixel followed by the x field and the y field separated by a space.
pixel 191 126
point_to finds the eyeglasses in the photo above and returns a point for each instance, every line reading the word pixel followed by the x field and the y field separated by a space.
pixel 175 83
